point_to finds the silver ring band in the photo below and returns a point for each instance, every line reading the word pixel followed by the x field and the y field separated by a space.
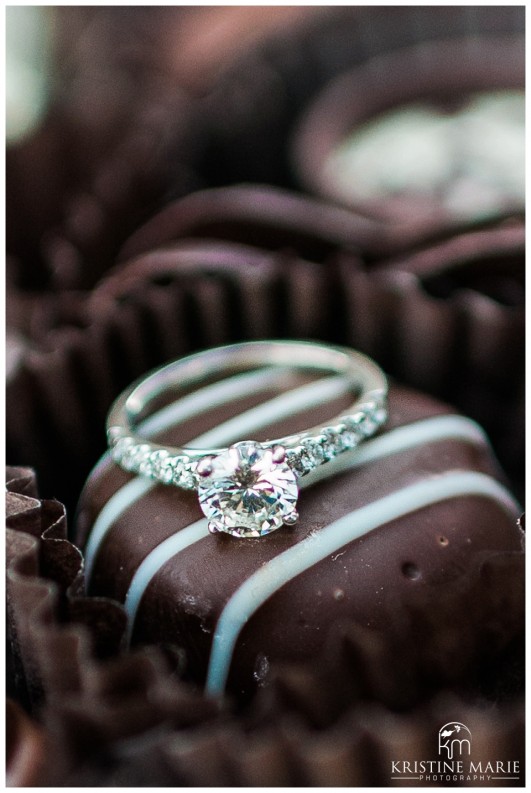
pixel 263 474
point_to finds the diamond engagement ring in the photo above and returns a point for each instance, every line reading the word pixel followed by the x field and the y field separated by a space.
pixel 248 489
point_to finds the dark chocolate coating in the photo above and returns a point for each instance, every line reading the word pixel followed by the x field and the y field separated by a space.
pixel 409 566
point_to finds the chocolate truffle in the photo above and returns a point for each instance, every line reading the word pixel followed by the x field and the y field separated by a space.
pixel 260 215
pixel 430 136
pixel 395 543
pixel 259 103
pixel 461 319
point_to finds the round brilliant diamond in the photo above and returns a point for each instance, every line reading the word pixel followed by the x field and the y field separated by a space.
pixel 247 494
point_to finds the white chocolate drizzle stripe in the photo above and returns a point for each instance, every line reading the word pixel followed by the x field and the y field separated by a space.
pixel 156 559
pixel 269 578
pixel 282 406
pixel 436 428
pixel 211 396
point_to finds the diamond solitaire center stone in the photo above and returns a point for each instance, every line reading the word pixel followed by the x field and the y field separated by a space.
pixel 248 490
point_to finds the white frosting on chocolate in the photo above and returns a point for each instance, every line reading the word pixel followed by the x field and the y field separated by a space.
pixel 471 160
pixel 287 404
pixel 317 546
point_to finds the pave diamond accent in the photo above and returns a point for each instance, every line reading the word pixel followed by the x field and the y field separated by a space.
pixel 332 445
pixel 247 494
pixel 374 416
pixel 136 457
pixel 307 455
pixel 184 473
pixel 161 467
pixel 156 464
pixel 315 450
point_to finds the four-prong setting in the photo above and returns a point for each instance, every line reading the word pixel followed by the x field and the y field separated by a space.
pixel 292 518
pixel 278 453
pixel 204 467
pixel 248 490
